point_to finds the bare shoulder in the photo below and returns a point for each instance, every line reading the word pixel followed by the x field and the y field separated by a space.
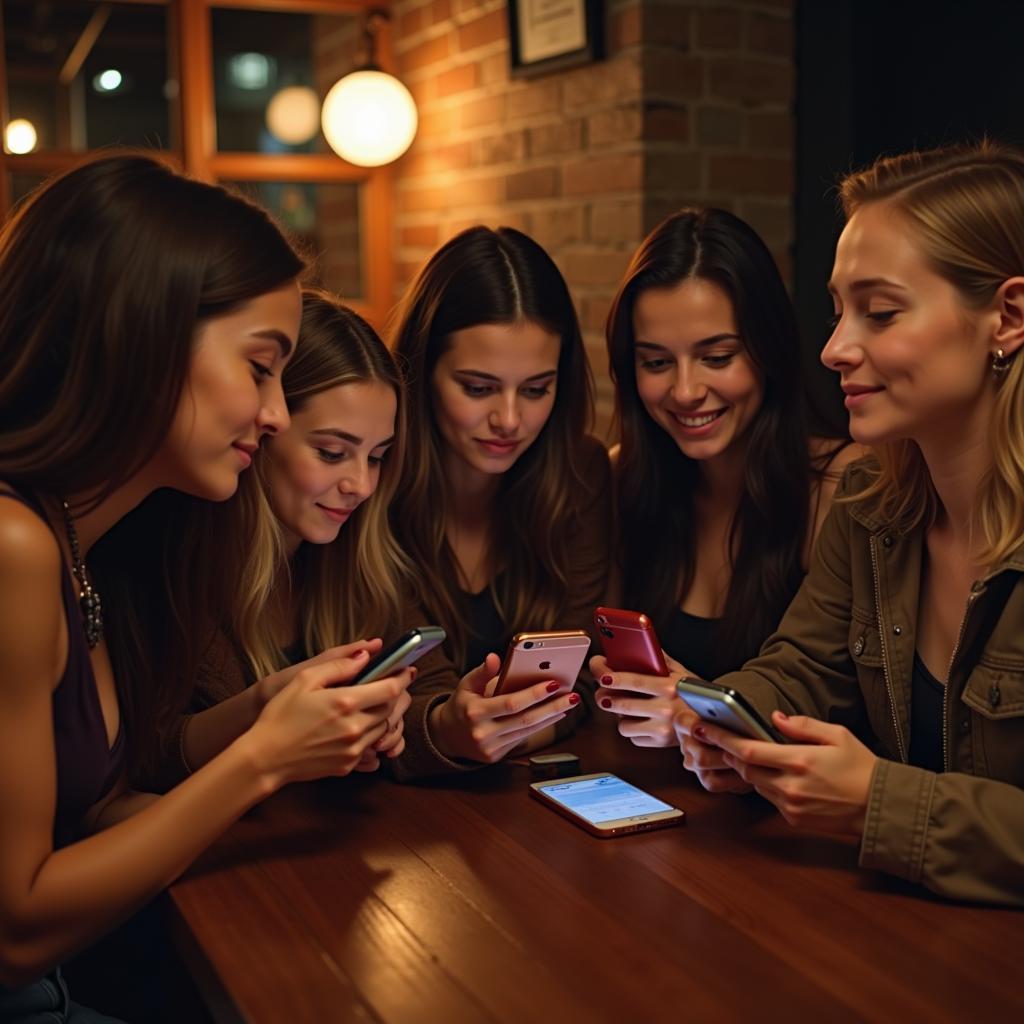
pixel 28 548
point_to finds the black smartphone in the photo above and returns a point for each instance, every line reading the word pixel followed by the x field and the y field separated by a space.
pixel 404 651
pixel 721 705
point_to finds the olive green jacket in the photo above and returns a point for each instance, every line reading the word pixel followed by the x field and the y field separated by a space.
pixel 844 653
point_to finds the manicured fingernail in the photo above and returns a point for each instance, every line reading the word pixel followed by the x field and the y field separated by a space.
pixel 606 703
pixel 782 714
pixel 698 731
pixel 607 680
pixel 415 671
pixel 574 699
pixel 552 686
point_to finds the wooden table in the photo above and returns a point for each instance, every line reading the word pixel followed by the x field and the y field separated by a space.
pixel 466 900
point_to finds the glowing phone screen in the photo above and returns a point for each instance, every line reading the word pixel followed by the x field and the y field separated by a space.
pixel 606 798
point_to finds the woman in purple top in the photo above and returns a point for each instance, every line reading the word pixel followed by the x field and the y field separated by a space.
pixel 144 322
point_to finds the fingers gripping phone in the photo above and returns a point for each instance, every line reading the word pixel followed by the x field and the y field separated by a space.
pixel 403 652
pixel 721 705
pixel 605 805
pixel 534 657
pixel 629 642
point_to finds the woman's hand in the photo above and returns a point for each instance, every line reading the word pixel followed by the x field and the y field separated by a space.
pixel 270 686
pixel 392 743
pixel 820 780
pixel 475 727
pixel 646 704
pixel 702 758
pixel 316 726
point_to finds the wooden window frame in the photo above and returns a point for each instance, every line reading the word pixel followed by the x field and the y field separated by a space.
pixel 194 121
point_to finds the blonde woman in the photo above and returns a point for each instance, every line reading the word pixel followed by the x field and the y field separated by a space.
pixel 897 674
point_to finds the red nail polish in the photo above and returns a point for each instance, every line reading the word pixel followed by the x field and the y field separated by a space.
pixel 553 686
pixel 606 703
pixel 698 731
pixel 574 699
pixel 607 680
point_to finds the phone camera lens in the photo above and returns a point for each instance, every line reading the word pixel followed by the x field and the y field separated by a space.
pixel 605 631
pixel 528 645
pixel 601 620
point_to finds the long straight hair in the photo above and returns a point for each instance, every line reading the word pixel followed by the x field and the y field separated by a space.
pixel 105 275
pixel 485 276
pixel 657 482
pixel 355 585
pixel 964 206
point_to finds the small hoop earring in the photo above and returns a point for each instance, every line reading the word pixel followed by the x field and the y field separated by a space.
pixel 1000 364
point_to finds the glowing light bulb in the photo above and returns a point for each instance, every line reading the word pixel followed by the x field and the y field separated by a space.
pixel 293 115
pixel 369 118
pixel 20 136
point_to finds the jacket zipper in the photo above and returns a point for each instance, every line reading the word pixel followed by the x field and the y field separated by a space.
pixel 949 674
pixel 885 653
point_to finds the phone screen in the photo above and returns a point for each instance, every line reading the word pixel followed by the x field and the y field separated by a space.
pixel 606 798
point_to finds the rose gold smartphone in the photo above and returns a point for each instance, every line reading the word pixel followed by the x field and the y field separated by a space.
pixel 534 657
pixel 606 805
pixel 629 642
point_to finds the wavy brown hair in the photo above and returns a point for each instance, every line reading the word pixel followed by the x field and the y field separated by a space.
pixel 656 482
pixel 485 276
pixel 355 585
pixel 106 272
pixel 964 207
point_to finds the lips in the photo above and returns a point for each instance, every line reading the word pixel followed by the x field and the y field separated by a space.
pixel 337 515
pixel 495 446
pixel 246 451
pixel 857 394
pixel 698 420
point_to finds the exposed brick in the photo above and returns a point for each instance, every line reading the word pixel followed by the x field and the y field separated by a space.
pixel 773 221
pixel 494 69
pixel 422 91
pixel 620 124
pixel 598 268
pixel 667 124
pixel 440 10
pixel 752 81
pixel 680 172
pixel 755 175
pixel 418 200
pixel 619 173
pixel 466 7
pixel 501 149
pixel 438 124
pixel 615 80
pixel 439 160
pixel 769 34
pixel 718 30
pixel 594 312
pixel 667 25
pixel 411 22
pixel 616 221
pixel 669 74
pixel 559 137
pixel 554 227
pixel 534 99
pixel 719 126
pixel 457 79
pixel 488 111
pixel 431 51
pixel 422 236
pixel 488 29
pixel 536 183
pixel 625 28
pixel 770 131
pixel 477 191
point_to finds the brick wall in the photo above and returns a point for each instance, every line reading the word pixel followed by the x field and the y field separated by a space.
pixel 692 105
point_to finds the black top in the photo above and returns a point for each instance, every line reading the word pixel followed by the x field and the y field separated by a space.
pixel 486 631
pixel 926 710
pixel 86 767
pixel 690 639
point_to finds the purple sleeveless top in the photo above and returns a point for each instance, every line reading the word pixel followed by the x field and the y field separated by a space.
pixel 86 767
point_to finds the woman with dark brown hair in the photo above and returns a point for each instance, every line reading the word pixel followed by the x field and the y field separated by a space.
pixel 721 489
pixel 144 322
pixel 504 501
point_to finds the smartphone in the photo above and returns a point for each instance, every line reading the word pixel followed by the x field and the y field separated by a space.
pixel 629 642
pixel 533 657
pixel 728 708
pixel 404 651
pixel 606 805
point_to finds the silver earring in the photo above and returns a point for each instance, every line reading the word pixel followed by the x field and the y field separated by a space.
pixel 1000 364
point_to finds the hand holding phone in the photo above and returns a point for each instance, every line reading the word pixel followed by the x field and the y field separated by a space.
pixel 540 657
pixel 409 647
pixel 605 805
pixel 728 708
pixel 629 641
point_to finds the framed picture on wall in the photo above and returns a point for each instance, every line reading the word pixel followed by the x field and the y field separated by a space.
pixel 548 35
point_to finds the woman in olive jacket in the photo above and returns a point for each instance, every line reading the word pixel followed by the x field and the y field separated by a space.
pixel 897 674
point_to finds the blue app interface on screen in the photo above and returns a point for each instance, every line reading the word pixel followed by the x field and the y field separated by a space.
pixel 605 799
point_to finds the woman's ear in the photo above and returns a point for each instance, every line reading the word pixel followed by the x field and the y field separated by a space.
pixel 1009 306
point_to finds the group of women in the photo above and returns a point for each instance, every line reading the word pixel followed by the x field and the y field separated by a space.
pixel 161 633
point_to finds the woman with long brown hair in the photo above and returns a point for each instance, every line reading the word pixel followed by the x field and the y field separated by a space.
pixel 504 501
pixel 144 322
pixel 720 487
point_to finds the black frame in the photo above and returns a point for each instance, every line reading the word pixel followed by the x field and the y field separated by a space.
pixel 592 49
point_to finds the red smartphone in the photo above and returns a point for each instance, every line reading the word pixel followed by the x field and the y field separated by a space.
pixel 629 641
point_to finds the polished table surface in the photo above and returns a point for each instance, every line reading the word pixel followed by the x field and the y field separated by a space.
pixel 466 900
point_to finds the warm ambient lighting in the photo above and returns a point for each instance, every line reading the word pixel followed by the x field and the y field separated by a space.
pixel 20 136
pixel 369 118
pixel 108 81
pixel 293 115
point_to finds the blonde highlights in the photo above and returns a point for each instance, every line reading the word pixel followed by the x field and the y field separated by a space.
pixel 964 206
